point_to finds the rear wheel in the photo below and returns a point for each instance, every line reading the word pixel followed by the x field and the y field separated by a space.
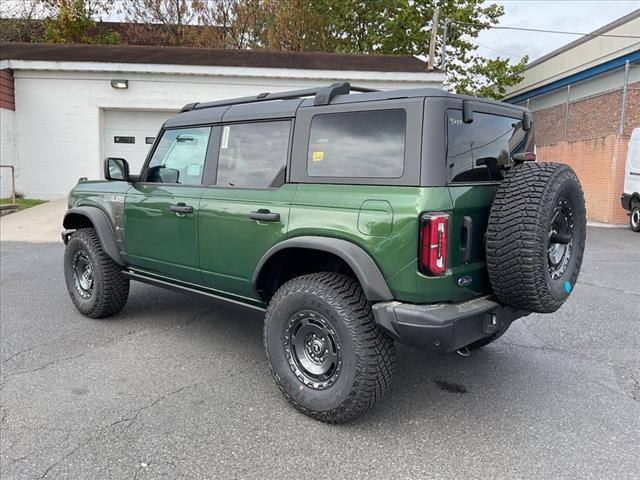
pixel 94 281
pixel 634 217
pixel 328 357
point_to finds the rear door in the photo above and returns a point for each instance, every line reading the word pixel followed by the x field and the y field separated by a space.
pixel 478 156
pixel 161 212
pixel 246 211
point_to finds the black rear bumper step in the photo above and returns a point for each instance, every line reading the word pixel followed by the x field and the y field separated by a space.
pixel 443 327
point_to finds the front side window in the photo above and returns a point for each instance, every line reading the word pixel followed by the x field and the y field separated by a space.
pixel 252 154
pixel 179 156
pixel 357 144
pixel 480 151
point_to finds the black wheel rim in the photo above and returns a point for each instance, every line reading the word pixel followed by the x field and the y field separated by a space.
pixel 83 273
pixel 560 244
pixel 312 349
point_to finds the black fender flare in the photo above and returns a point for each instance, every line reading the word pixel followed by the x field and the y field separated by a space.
pixel 373 283
pixel 102 225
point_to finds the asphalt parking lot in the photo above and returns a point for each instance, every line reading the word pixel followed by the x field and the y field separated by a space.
pixel 175 387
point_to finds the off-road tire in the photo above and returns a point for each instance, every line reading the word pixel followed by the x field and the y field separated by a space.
pixel 110 289
pixel 367 353
pixel 521 220
pixel 634 216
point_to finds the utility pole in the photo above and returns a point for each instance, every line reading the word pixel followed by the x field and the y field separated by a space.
pixel 443 58
pixel 434 36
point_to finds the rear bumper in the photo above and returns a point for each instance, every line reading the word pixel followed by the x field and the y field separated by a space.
pixel 443 327
pixel 625 199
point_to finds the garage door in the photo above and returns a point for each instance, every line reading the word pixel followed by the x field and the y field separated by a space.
pixel 129 134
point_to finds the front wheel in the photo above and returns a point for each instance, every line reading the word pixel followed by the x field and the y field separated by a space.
pixel 634 217
pixel 328 357
pixel 94 281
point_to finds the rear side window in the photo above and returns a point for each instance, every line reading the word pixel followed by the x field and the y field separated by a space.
pixel 357 144
pixel 252 154
pixel 179 156
pixel 479 151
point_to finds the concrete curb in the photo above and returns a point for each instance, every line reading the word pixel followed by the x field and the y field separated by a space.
pixel 606 225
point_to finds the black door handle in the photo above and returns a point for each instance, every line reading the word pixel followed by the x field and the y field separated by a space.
pixel 264 216
pixel 181 208
pixel 467 228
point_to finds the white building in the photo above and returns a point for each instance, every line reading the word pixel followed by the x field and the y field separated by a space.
pixel 63 108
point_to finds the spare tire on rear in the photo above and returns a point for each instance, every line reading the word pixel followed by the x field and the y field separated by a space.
pixel 536 236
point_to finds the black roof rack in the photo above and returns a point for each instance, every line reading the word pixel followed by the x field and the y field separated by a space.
pixel 323 96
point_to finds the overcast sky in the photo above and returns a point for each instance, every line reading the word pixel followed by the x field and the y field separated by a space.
pixel 568 15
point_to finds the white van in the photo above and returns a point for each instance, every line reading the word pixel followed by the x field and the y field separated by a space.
pixel 631 193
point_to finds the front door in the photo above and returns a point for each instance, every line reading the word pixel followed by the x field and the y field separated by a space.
pixel 246 212
pixel 161 211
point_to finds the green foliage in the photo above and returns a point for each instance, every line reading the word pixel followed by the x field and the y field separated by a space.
pixel 73 21
pixel 398 27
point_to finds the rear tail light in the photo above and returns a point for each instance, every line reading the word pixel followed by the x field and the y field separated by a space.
pixel 434 239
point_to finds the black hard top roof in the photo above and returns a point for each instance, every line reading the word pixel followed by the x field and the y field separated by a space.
pixel 285 104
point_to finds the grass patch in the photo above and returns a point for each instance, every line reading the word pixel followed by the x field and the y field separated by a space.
pixel 23 202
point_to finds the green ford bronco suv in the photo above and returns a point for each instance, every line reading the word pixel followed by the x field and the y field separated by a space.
pixel 354 220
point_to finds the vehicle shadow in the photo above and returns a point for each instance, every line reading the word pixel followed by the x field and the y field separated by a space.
pixel 425 386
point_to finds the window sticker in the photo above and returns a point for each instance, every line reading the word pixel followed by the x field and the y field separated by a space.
pixel 317 156
pixel 225 136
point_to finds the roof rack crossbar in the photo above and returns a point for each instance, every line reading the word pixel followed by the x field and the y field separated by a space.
pixel 323 96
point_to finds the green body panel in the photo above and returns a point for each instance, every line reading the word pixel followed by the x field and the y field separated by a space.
pixel 159 240
pixel 335 211
pixel 411 286
pixel 232 244
pixel 218 247
pixel 97 193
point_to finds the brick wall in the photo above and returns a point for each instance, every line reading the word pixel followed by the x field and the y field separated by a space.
pixel 599 164
pixel 593 146
pixel 7 96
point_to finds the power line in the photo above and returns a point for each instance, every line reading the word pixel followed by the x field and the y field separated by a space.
pixel 473 40
pixel 500 27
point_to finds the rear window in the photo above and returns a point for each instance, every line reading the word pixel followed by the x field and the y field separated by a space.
pixel 357 144
pixel 480 151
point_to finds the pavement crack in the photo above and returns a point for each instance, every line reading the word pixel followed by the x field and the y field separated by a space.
pixel 36 452
pixel 46 365
pixel 621 290
pixel 130 418
pixel 633 391
pixel 55 464
pixel 133 415
pixel 27 350
pixel 193 319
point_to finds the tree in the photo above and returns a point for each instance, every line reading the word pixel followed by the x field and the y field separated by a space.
pixel 232 23
pixel 396 27
pixel 19 20
pixel 166 22
pixel 74 21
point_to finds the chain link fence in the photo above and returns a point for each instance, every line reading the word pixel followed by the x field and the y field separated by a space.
pixel 606 104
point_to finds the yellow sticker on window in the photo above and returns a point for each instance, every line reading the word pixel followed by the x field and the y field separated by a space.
pixel 317 156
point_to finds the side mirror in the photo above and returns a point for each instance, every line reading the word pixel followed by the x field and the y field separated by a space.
pixel 116 169
pixel 467 111
pixel 169 175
